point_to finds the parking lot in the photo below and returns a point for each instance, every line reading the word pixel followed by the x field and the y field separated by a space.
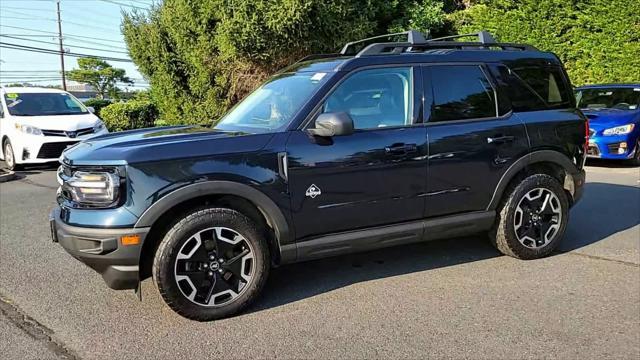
pixel 455 298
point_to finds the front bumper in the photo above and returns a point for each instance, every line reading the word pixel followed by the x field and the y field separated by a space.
pixel 607 147
pixel 102 250
pixel 38 149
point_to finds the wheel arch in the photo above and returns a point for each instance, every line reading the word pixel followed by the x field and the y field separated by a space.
pixel 548 162
pixel 254 204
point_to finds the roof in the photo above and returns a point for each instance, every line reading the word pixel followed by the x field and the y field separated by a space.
pixel 324 63
pixel 619 85
pixel 22 90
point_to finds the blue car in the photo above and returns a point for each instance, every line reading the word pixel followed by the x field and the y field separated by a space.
pixel 614 120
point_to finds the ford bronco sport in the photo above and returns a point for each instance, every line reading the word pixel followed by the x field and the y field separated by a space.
pixel 382 144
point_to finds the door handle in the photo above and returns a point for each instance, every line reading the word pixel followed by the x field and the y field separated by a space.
pixel 500 139
pixel 400 148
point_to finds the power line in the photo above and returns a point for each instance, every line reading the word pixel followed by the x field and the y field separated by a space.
pixel 70 45
pixel 67 35
pixel 125 5
pixel 49 51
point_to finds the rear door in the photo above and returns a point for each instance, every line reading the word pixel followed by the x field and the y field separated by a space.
pixel 473 138
pixel 375 176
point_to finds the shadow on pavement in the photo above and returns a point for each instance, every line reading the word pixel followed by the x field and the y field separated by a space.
pixel 604 210
pixel 610 163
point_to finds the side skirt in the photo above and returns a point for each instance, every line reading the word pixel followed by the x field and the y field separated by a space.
pixel 392 235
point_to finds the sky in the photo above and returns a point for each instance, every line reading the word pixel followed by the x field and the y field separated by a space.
pixel 89 27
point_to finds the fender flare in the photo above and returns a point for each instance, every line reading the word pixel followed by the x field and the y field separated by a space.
pixel 535 157
pixel 284 240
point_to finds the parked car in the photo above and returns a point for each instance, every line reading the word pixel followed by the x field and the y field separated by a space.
pixel 382 144
pixel 37 124
pixel 614 119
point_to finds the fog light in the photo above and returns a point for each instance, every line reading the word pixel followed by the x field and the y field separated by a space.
pixel 25 154
pixel 623 148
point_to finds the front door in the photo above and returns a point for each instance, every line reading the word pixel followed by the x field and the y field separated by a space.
pixel 375 176
pixel 473 138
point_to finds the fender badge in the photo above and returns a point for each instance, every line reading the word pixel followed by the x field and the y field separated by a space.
pixel 313 191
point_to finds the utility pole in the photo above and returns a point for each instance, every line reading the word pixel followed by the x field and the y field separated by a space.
pixel 64 80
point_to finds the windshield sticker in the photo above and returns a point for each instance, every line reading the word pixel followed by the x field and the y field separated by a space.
pixel 14 103
pixel 12 96
pixel 636 89
pixel 318 76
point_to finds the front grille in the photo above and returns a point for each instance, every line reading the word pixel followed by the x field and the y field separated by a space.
pixel 54 149
pixel 71 134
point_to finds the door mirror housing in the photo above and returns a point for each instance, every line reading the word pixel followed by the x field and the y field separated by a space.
pixel 91 109
pixel 332 124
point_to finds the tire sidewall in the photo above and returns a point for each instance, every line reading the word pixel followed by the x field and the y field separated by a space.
pixel 7 145
pixel 164 262
pixel 528 184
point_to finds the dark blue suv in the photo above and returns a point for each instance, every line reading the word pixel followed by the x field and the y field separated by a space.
pixel 382 144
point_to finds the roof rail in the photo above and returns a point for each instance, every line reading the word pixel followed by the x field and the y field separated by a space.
pixel 483 37
pixel 416 42
pixel 413 38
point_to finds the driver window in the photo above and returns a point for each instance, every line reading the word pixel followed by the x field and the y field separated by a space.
pixel 375 98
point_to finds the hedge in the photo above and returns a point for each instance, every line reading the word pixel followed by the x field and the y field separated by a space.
pixel 134 114
pixel 97 104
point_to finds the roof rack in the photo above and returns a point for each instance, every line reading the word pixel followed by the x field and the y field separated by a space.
pixel 413 38
pixel 416 42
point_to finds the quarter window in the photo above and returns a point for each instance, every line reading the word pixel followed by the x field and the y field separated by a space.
pixel 375 98
pixel 461 92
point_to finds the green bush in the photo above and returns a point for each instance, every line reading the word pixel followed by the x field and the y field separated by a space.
pixel 134 114
pixel 97 104
pixel 598 40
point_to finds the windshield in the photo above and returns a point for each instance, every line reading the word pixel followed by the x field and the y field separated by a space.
pixel 274 104
pixel 612 98
pixel 43 104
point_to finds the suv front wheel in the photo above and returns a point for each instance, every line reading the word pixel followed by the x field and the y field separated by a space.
pixel 532 219
pixel 211 264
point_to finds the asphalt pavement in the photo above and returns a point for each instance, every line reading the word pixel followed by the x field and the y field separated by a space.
pixel 456 298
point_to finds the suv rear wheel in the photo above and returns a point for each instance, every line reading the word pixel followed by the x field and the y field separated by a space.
pixel 532 219
pixel 211 264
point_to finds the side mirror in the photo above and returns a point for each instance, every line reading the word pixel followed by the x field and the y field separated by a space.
pixel 332 124
pixel 91 109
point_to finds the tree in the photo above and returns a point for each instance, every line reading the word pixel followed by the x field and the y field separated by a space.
pixel 100 75
pixel 201 57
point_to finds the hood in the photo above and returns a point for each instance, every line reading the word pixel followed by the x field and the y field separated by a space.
pixel 59 122
pixel 163 143
pixel 607 118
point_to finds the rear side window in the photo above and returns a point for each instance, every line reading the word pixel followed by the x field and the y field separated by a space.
pixel 461 92
pixel 536 88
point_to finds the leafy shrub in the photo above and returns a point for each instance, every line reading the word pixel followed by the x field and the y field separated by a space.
pixel 598 40
pixel 97 104
pixel 134 114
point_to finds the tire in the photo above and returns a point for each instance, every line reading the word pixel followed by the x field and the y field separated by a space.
pixel 189 272
pixel 9 156
pixel 635 161
pixel 521 230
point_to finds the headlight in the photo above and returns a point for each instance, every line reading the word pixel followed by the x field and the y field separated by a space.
pixel 28 129
pixel 98 126
pixel 619 130
pixel 98 189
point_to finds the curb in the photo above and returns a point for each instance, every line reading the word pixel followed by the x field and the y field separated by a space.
pixel 4 177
